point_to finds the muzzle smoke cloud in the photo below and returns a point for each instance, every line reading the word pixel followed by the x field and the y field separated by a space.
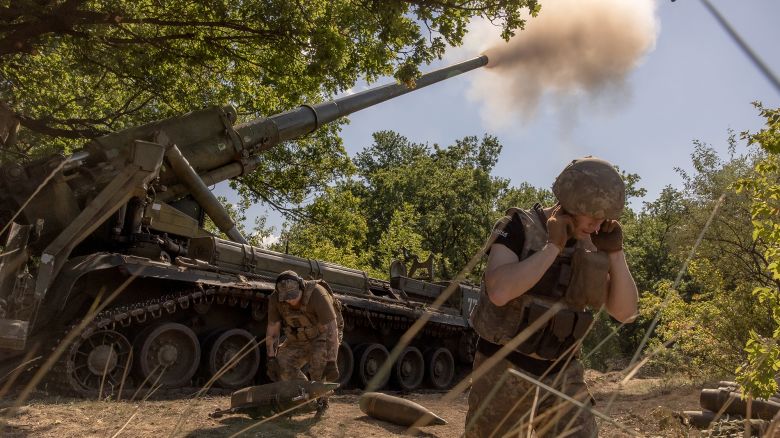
pixel 580 48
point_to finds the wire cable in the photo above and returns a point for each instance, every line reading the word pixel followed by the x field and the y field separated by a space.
pixel 743 45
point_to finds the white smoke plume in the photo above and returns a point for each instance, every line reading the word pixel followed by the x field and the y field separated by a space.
pixel 573 51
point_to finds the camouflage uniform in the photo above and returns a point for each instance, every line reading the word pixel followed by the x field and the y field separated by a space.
pixel 509 408
pixel 511 405
pixel 305 344
pixel 294 355
pixel 500 402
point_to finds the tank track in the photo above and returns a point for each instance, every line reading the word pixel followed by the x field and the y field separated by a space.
pixel 60 377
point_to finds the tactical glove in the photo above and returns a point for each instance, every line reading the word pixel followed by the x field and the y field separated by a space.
pixel 609 238
pixel 331 373
pixel 559 228
pixel 272 369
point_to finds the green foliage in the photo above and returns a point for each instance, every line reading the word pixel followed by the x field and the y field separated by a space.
pixel 427 199
pixel 631 180
pixel 728 237
pixel 760 369
pixel 525 196
pixel 705 333
pixel 294 172
pixel 400 234
pixel 649 238
pixel 450 190
pixel 706 313
pixel 768 138
pixel 76 69
pixel 602 348
pixel 333 229
pixel 758 374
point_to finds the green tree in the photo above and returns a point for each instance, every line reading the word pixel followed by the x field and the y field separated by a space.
pixel 427 199
pixel 255 236
pixel 332 228
pixel 524 196
pixel 450 189
pixel 401 234
pixel 708 315
pixel 760 370
pixel 72 70
pixel 649 239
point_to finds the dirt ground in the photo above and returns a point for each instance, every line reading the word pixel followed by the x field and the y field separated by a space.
pixel 644 406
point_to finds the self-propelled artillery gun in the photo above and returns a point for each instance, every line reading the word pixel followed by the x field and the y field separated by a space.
pixel 108 244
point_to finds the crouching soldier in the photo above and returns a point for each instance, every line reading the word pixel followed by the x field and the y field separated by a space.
pixel 310 317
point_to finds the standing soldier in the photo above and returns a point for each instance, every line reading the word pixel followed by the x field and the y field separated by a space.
pixel 311 317
pixel 570 254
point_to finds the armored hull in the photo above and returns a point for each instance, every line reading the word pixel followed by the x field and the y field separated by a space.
pixel 200 320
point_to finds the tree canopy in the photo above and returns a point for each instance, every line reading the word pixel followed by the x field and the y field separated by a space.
pixel 76 69
pixel 428 199
pixel 72 70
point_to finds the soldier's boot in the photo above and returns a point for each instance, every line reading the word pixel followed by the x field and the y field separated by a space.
pixel 322 406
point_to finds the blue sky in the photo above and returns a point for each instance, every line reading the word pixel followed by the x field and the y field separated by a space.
pixel 695 84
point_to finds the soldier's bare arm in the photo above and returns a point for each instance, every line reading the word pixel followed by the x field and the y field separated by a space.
pixel 506 277
pixel 331 331
pixel 623 295
pixel 272 332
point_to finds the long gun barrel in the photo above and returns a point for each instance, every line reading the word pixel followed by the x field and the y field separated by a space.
pixel 305 119
pixel 218 151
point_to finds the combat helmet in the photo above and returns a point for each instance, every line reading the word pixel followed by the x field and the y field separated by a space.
pixel 591 186
pixel 289 285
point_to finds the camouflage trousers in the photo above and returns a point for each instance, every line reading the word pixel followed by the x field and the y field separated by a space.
pixel 294 355
pixel 508 410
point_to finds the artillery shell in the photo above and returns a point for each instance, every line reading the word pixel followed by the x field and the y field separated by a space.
pixel 715 399
pixel 397 410
pixel 272 398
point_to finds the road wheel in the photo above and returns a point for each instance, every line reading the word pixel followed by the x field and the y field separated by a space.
pixel 370 360
pixel 440 368
pixel 346 363
pixel 167 354
pixel 409 369
pixel 98 363
pixel 222 350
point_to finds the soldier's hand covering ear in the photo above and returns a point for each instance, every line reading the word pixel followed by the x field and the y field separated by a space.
pixel 559 228
pixel 609 238
pixel 272 369
pixel 331 373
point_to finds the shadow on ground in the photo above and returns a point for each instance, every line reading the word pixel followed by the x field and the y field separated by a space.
pixel 278 427
pixel 395 429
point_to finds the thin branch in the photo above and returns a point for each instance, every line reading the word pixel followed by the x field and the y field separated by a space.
pixel 292 212
pixel 43 126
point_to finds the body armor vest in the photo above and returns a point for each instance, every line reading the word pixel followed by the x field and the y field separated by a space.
pixel 300 324
pixel 577 277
